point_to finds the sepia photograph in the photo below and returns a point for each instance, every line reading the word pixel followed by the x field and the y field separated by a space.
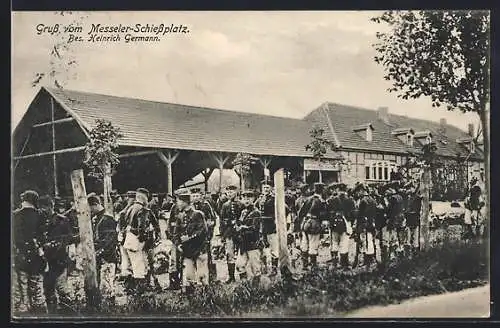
pixel 250 165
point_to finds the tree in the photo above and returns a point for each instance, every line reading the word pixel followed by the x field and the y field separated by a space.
pixel 443 55
pixel 242 165
pixel 319 146
pixel 101 158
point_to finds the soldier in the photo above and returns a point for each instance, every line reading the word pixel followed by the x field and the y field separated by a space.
pixel 175 259
pixel 153 239
pixel 167 203
pixel 338 225
pixel 191 237
pixel 349 209
pixel 414 206
pixel 300 235
pixel 380 220
pixel 154 204
pixel 106 248
pixel 474 204
pixel 59 237
pixel 266 205
pixel 230 212
pixel 138 219
pixel 395 221
pixel 29 261
pixel 248 229
pixel 125 266
pixel 365 225
pixel 313 212
pixel 204 206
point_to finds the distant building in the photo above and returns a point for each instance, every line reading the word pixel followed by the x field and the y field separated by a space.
pixel 162 138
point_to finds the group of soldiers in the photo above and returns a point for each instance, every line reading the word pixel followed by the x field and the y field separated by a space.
pixel 242 223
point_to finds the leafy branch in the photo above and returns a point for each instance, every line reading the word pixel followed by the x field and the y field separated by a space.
pixel 101 149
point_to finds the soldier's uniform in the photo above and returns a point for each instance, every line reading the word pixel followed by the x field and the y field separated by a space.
pixel 191 239
pixel 248 229
pixel 339 242
pixel 29 262
pixel 59 237
pixel 106 248
pixel 473 205
pixel 230 212
pixel 266 206
pixel 152 240
pixel 313 212
pixel 396 225
pixel 138 230
pixel 414 207
pixel 365 226
pixel 204 206
pixel 175 259
pixel 300 235
pixel 125 266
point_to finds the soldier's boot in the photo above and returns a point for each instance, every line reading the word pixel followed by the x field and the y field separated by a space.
pixel 231 268
pixel 314 262
pixel 175 282
pixel 344 261
pixel 274 266
pixel 334 259
pixel 243 276
pixel 305 260
pixel 407 251
pixel 212 272
pixel 140 285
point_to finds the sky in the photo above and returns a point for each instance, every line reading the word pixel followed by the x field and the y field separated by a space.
pixel 277 63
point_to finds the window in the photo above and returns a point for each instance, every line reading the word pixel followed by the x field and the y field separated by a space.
pixel 369 136
pixel 377 170
pixel 409 139
pixel 428 140
pixel 472 147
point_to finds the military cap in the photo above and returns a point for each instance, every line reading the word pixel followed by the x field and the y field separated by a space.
pixel 30 196
pixel 390 191
pixel 248 193
pixel 93 200
pixel 231 187
pixel 155 194
pixel 114 192
pixel 303 186
pixel 318 187
pixel 143 191
pixel 196 190
pixel 185 197
pixel 266 182
pixel 131 194
pixel 91 194
pixel 45 200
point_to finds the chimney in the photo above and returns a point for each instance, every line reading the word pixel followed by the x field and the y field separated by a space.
pixel 470 130
pixel 383 114
pixel 442 126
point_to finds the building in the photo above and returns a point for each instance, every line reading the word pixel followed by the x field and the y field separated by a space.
pixel 166 144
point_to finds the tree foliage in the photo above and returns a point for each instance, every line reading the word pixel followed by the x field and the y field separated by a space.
pixel 242 163
pixel 440 54
pixel 319 144
pixel 100 150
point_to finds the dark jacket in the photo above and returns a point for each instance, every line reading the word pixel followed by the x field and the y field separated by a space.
pixel 266 206
pixel 313 211
pixel 208 212
pixel 395 212
pixel 59 236
pixel 230 212
pixel 367 213
pixel 335 214
pixel 105 238
pixel 28 235
pixel 249 233
pixel 348 207
pixel 191 223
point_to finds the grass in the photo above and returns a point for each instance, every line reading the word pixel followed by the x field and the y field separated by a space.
pixel 446 267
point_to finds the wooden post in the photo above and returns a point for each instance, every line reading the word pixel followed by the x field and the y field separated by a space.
pixel 86 239
pixel 280 214
pixel 108 203
pixel 168 160
pixel 424 223
pixel 54 159
pixel 221 160
pixel 206 175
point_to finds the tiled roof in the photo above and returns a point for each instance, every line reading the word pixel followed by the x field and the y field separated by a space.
pixel 165 125
pixel 343 118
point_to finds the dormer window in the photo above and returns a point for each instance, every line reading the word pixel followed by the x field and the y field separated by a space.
pixel 365 130
pixel 472 147
pixel 409 139
pixel 424 137
pixel 468 143
pixel 428 140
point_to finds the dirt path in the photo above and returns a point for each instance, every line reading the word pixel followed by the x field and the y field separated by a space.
pixel 468 303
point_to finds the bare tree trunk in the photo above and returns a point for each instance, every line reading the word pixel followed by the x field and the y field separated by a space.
pixel 486 140
pixel 424 222
pixel 284 258
pixel 108 202
pixel 86 239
